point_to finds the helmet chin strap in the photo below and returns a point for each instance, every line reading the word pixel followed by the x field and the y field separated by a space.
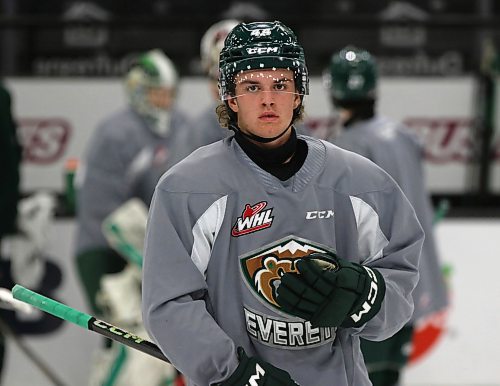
pixel 258 138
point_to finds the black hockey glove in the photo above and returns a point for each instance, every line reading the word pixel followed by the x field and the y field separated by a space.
pixel 255 371
pixel 330 291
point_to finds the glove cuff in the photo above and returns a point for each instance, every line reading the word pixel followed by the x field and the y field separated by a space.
pixel 370 301
pixel 252 370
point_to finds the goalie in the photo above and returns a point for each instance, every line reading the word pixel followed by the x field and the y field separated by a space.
pixel 126 155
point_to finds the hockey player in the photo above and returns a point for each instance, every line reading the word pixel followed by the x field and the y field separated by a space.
pixel 127 154
pixel 207 128
pixel 10 158
pixel 267 254
pixel 10 161
pixel 352 81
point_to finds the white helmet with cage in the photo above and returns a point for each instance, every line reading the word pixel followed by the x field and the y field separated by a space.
pixel 212 43
pixel 151 84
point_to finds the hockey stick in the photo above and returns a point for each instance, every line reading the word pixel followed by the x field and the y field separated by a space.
pixel 30 354
pixel 9 303
pixel 86 321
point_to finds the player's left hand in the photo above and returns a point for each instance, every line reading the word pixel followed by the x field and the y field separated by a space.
pixel 330 291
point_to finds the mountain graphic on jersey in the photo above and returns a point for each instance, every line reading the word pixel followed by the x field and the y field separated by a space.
pixel 262 269
pixel 254 218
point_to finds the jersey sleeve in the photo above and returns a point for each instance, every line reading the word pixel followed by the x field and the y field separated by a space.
pixel 176 305
pixel 390 240
pixel 103 188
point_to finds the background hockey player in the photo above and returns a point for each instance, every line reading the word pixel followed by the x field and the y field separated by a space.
pixel 10 160
pixel 128 152
pixel 206 125
pixel 24 227
pixel 352 82
pixel 267 254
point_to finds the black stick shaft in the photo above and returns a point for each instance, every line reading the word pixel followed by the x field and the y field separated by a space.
pixel 126 338
pixel 84 320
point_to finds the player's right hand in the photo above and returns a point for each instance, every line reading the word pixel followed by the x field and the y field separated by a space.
pixel 255 371
pixel 331 292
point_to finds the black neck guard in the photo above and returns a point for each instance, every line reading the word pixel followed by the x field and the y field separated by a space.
pixel 274 160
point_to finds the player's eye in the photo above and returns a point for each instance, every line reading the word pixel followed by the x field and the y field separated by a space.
pixel 252 88
pixel 280 87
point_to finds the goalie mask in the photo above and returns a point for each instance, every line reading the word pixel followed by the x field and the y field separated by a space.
pixel 351 76
pixel 261 45
pixel 151 84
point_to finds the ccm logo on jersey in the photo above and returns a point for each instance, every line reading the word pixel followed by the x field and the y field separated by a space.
pixel 254 218
pixel 319 214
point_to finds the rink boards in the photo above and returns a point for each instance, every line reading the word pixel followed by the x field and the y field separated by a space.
pixel 58 115
pixel 465 354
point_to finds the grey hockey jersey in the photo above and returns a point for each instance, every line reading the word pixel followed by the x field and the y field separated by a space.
pixel 221 231
pixel 124 159
pixel 207 128
pixel 397 150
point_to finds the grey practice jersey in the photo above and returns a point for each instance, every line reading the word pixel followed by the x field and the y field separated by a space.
pixel 124 159
pixel 221 231
pixel 396 150
pixel 207 128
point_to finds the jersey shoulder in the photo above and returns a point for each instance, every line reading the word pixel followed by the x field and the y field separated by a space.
pixel 388 129
pixel 205 170
pixel 352 173
pixel 118 127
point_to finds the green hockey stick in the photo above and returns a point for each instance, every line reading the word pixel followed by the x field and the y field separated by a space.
pixel 86 321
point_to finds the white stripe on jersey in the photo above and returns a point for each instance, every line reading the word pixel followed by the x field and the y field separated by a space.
pixel 205 232
pixel 371 239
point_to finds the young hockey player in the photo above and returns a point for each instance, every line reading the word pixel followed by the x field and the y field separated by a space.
pixel 352 81
pixel 268 255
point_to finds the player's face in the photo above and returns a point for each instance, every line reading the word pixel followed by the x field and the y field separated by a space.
pixel 264 101
pixel 160 97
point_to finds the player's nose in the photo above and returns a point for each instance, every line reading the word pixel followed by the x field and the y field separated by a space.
pixel 267 98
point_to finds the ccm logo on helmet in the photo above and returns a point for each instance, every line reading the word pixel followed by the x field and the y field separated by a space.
pixel 319 214
pixel 262 50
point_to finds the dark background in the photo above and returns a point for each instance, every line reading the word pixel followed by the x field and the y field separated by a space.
pixel 422 38
pixel 429 37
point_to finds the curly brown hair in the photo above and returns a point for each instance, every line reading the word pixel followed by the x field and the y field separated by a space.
pixel 226 116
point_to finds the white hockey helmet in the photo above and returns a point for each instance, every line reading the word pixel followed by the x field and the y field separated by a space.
pixel 152 70
pixel 212 43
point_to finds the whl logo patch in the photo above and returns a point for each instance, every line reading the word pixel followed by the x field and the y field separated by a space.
pixel 254 218
pixel 264 268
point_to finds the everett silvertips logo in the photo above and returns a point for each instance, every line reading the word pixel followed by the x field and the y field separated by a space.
pixel 262 271
pixel 254 218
